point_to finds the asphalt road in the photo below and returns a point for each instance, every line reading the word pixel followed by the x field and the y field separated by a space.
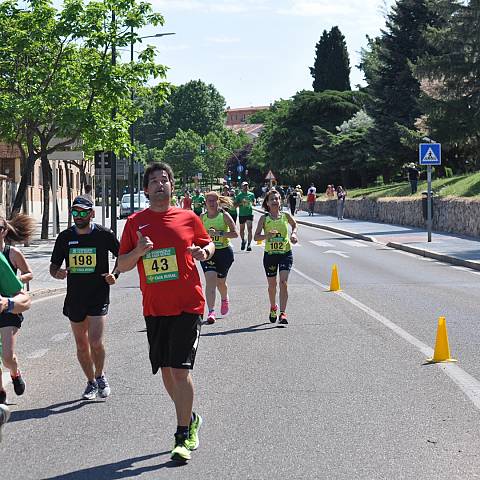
pixel 341 393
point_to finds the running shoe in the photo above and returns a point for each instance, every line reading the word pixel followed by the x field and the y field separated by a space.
pixel 224 306
pixel 282 319
pixel 18 384
pixel 180 452
pixel 243 245
pixel 211 318
pixel 91 391
pixel 4 416
pixel 103 386
pixel 249 248
pixel 3 397
pixel 193 441
pixel 273 314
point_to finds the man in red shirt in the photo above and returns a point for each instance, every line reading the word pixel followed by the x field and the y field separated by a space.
pixel 163 242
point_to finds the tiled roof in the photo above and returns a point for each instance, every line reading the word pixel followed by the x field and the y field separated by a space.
pixel 247 109
pixel 251 129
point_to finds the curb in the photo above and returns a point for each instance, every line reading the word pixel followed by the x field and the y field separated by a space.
pixel 399 246
pixel 45 292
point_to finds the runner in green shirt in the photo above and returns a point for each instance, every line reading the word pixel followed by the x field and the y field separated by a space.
pixel 245 201
pixel 198 202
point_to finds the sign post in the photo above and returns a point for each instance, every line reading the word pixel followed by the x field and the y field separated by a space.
pixel 270 177
pixel 430 154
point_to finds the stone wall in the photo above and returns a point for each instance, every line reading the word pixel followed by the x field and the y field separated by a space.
pixel 450 214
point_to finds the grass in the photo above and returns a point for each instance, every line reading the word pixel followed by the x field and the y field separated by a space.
pixel 459 186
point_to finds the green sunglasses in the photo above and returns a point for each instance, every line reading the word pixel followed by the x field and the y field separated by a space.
pixel 81 213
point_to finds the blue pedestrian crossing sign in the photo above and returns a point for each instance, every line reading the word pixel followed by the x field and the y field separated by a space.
pixel 430 154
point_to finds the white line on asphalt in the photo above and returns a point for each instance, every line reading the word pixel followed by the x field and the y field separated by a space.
pixel 59 337
pixel 321 243
pixel 6 378
pixel 337 252
pixel 48 297
pixel 38 353
pixel 468 384
pixel 402 252
pixel 354 243
pixel 463 269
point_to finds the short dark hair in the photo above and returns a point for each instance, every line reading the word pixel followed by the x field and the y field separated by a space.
pixel 153 167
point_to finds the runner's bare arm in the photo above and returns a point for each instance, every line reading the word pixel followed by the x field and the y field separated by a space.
pixel 231 226
pixel 128 261
pixel 58 272
pixel 17 304
pixel 293 224
pixel 21 263
pixel 202 254
pixel 258 232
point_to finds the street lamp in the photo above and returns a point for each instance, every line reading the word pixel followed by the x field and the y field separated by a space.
pixel 132 133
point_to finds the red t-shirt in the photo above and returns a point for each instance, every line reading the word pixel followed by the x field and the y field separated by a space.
pixel 310 198
pixel 169 278
pixel 187 203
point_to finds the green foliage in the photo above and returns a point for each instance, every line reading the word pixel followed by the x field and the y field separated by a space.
pixel 331 70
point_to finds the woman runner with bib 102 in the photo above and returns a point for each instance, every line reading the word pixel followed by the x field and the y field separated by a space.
pixel 278 251
pixel 219 225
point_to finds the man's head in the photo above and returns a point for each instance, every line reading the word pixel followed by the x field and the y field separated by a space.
pixel 158 181
pixel 82 211
pixel 244 186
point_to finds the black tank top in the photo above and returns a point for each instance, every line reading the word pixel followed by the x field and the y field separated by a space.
pixel 6 252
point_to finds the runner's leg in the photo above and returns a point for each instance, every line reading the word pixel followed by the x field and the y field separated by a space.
pixel 80 333
pixel 96 329
pixel 242 232
pixel 272 290
pixel 249 228
pixel 210 287
pixel 222 287
pixel 8 348
pixel 183 395
pixel 283 289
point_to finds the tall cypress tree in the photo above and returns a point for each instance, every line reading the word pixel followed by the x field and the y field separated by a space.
pixel 392 86
pixel 331 70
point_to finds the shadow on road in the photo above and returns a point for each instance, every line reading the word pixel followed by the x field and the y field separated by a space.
pixel 117 470
pixel 250 329
pixel 35 413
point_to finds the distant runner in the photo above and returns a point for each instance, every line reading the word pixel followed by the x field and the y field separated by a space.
pixel 221 228
pixel 278 251
pixel 245 201
pixel 198 202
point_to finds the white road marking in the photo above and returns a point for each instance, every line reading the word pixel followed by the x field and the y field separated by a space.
pixel 321 243
pixel 353 243
pixel 6 379
pixel 59 337
pixel 38 353
pixel 402 252
pixel 337 252
pixel 463 269
pixel 466 382
pixel 48 297
pixel 475 273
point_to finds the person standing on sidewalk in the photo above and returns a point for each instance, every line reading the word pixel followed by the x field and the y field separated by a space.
pixel 163 242
pixel 413 176
pixel 85 248
pixel 19 229
pixel 341 194
pixel 221 228
pixel 311 197
pixel 245 201
pixel 278 251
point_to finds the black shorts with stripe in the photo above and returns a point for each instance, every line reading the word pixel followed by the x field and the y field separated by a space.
pixel 277 261
pixel 220 262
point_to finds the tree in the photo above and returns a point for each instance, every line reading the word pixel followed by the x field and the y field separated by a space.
pixel 57 79
pixel 393 89
pixel 449 73
pixel 331 70
pixel 195 106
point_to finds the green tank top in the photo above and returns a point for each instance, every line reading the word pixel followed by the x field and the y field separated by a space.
pixel 281 242
pixel 219 224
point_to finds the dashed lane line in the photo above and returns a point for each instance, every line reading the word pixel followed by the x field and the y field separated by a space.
pixel 466 382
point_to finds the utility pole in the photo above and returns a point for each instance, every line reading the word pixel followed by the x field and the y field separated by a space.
pixel 113 178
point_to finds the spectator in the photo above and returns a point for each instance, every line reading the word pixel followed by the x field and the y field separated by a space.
pixel 330 192
pixel 341 194
pixel 311 197
pixel 413 175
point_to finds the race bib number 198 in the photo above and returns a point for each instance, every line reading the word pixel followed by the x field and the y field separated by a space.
pixel 82 260
pixel 160 265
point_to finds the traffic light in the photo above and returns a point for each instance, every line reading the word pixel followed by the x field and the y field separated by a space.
pixel 203 149
pixel 239 177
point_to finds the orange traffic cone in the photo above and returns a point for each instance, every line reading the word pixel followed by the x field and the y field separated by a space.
pixel 442 350
pixel 334 283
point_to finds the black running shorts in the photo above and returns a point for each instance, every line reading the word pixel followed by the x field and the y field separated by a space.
pixel 220 262
pixel 78 313
pixel 11 319
pixel 277 261
pixel 173 341
pixel 243 219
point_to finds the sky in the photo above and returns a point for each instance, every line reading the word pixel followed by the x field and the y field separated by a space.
pixel 258 51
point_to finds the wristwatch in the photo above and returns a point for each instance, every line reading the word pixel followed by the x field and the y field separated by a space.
pixel 11 305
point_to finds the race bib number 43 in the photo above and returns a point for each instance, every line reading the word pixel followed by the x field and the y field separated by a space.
pixel 82 260
pixel 160 265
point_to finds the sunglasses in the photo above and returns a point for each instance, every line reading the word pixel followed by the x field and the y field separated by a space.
pixel 80 213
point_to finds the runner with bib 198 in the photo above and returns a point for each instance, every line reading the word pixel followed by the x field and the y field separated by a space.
pixel 219 224
pixel 278 251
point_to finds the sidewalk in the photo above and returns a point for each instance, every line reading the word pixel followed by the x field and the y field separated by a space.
pixel 449 248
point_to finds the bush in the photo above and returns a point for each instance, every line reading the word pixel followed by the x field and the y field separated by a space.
pixel 448 172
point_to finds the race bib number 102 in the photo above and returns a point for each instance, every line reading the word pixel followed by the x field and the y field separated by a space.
pixel 160 265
